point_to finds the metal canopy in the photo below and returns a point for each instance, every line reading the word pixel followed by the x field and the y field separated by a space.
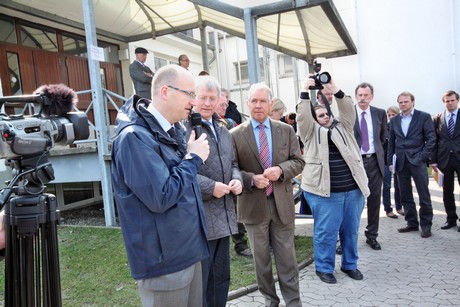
pixel 301 28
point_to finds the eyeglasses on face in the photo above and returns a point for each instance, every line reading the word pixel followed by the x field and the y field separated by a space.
pixel 210 99
pixel 190 95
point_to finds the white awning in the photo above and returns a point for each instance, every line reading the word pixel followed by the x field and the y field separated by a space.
pixel 303 29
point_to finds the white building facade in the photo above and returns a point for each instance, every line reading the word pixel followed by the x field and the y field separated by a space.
pixel 409 45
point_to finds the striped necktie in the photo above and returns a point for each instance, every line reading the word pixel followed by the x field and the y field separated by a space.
pixel 450 125
pixel 264 153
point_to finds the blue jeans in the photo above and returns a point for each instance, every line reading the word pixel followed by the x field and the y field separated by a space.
pixel 216 273
pixel 338 214
pixel 387 193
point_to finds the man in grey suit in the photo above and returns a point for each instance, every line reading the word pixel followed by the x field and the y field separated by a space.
pixel 446 155
pixel 141 74
pixel 269 157
pixel 410 143
pixel 371 132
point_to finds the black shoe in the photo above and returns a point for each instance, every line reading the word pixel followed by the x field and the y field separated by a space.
pixel 426 233
pixel 338 250
pixel 354 274
pixel 326 277
pixel 407 229
pixel 448 225
pixel 458 229
pixel 373 244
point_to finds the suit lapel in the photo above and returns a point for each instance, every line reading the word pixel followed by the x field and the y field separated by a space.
pixel 457 125
pixel 374 117
pixel 276 140
pixel 413 122
pixel 248 134
pixel 357 129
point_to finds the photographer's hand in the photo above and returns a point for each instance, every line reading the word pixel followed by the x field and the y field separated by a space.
pixel 332 87
pixel 309 82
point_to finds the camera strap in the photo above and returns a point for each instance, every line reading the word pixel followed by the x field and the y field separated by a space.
pixel 328 107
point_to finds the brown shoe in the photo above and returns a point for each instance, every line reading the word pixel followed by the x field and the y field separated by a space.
pixel 400 212
pixel 407 229
pixel 392 215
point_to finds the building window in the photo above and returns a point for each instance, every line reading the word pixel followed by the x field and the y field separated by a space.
pixel 74 46
pixel 245 72
pixel 14 73
pixel 7 32
pixel 39 38
pixel 285 66
pixel 159 62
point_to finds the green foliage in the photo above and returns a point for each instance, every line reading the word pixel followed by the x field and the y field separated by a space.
pixel 95 271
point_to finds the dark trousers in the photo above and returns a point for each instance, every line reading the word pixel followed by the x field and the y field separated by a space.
pixel 216 273
pixel 453 166
pixel 386 194
pixel 239 239
pixel 419 174
pixel 373 200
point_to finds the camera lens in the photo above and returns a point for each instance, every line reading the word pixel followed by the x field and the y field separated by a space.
pixel 324 77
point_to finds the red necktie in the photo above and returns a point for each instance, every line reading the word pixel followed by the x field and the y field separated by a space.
pixel 264 153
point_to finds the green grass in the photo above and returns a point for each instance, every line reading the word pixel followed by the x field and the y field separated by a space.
pixel 95 271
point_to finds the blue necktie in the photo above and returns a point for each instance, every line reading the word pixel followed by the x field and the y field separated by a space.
pixel 450 125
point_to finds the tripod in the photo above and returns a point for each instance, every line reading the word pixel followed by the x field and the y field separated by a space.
pixel 32 276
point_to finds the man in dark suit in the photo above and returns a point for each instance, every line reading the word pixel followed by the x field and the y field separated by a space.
pixel 371 132
pixel 269 157
pixel 412 139
pixel 446 155
pixel 141 74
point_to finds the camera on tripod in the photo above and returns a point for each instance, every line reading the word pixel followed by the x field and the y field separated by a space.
pixel 320 78
pixel 31 216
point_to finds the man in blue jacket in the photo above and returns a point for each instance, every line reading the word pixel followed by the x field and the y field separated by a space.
pixel 158 198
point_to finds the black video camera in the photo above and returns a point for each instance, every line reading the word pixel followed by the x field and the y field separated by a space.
pixel 320 78
pixel 31 135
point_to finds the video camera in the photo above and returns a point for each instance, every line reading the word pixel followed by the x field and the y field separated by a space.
pixel 320 78
pixel 55 123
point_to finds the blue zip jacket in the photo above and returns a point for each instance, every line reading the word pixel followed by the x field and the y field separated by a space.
pixel 157 195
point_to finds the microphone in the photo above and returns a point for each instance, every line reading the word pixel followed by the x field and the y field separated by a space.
pixel 58 99
pixel 196 123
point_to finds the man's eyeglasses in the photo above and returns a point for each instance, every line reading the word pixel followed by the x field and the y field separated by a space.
pixel 190 95
pixel 211 99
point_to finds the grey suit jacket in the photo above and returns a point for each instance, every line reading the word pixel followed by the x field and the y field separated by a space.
pixel 445 144
pixel 415 147
pixel 379 125
pixel 285 154
pixel 142 83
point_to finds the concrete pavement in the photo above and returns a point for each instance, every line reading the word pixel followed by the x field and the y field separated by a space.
pixel 408 271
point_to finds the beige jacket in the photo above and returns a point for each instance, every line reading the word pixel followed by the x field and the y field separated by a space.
pixel 315 175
